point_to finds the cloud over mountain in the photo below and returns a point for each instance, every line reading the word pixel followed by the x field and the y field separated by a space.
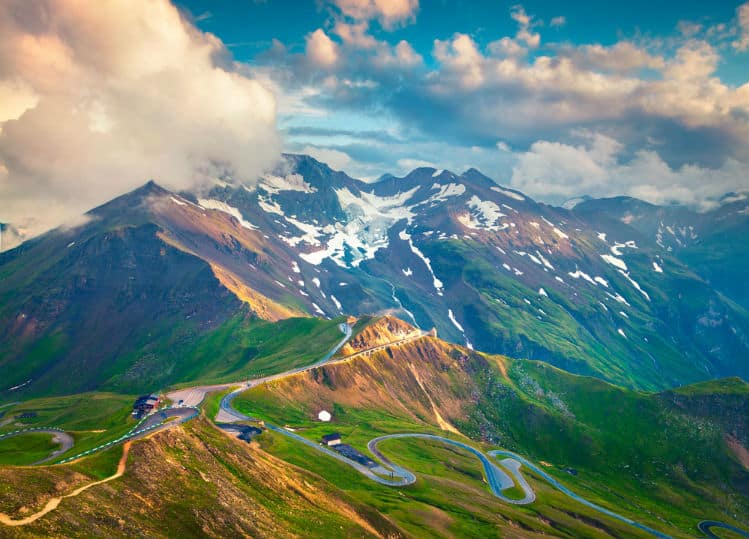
pixel 98 98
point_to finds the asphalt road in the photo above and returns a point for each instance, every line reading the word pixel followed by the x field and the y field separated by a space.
pixel 193 396
pixel 227 414
pixel 497 479
pixel 399 478
pixel 706 525
pixel 151 424
pixel 556 484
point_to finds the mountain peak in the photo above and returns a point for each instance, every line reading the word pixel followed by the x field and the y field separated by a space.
pixel 148 188
pixel 132 200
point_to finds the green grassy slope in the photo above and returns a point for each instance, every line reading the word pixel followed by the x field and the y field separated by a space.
pixel 194 481
pixel 645 455
pixel 26 448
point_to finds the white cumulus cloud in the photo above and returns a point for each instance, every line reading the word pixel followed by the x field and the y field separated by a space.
pixel 95 99
pixel 598 167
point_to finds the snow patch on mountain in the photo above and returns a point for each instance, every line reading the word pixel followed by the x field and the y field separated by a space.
pixel 616 262
pixel 451 316
pixel 444 192
pixel 635 284
pixel 600 280
pixel 484 215
pixel 405 236
pixel 218 205
pixel 618 297
pixel 545 261
pixel 616 249
pixel 579 273
pixel 268 205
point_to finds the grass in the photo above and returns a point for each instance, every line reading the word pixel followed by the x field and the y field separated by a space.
pixel 91 418
pixel 449 497
pixel 635 452
pixel 253 348
pixel 212 403
pixel 26 449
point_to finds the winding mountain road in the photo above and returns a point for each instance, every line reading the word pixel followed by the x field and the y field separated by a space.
pixel 385 473
pixel 497 478
pixel 560 487
pixel 706 527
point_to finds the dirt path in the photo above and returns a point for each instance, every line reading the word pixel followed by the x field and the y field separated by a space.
pixel 54 502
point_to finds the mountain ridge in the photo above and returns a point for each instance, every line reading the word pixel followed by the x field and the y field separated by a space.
pixel 485 265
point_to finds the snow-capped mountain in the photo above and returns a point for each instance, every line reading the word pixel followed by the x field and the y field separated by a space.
pixel 589 289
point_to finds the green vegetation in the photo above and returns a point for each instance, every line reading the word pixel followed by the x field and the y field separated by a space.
pixel 190 482
pixel 658 458
pixel 26 448
pixel 212 403
pixel 572 332
pixel 253 348
pixel 449 497
pixel 91 418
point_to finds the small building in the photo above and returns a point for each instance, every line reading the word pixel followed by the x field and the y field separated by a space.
pixel 331 439
pixel 324 416
pixel 145 405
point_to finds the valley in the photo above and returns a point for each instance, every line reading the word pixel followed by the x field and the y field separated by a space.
pixel 485 364
pixel 503 475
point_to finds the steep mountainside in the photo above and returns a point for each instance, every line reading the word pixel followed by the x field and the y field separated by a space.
pixel 714 244
pixel 130 299
pixel 191 482
pixel 488 267
pixel 491 268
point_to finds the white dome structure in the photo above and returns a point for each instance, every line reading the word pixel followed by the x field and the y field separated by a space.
pixel 324 415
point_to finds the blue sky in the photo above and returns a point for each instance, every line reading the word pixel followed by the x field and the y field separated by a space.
pixel 249 27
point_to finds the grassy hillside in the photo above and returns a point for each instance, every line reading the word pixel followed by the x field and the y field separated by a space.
pixel 91 418
pixel 26 448
pixel 193 481
pixel 241 347
pixel 643 454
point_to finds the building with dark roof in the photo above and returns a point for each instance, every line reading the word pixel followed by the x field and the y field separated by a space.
pixel 332 439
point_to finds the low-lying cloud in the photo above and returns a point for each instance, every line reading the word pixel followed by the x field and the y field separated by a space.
pixel 96 99
pixel 598 166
